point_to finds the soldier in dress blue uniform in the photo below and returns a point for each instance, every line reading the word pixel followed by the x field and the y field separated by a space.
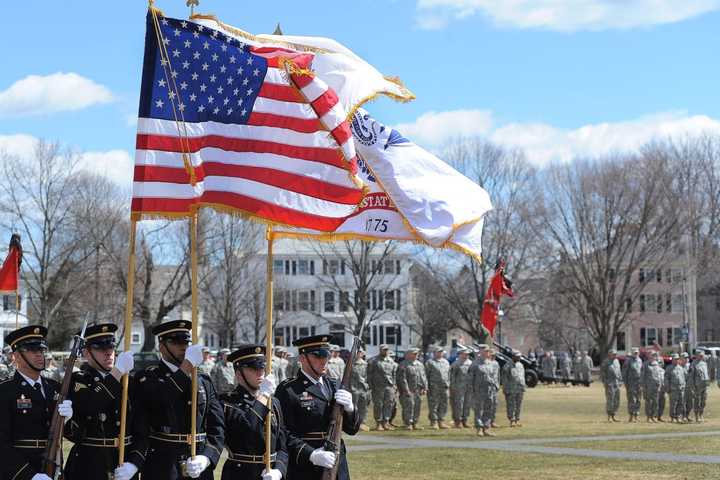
pixel 163 395
pixel 27 403
pixel 306 402
pixel 96 393
pixel 245 413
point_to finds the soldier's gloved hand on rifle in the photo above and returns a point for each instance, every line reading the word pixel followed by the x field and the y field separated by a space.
pixel 267 387
pixel 125 362
pixel 40 476
pixel 322 458
pixel 65 410
pixel 344 398
pixel 273 474
pixel 197 464
pixel 193 355
pixel 125 471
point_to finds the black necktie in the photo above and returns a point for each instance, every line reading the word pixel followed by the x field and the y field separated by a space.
pixel 38 388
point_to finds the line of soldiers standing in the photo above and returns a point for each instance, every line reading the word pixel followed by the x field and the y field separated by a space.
pixel 158 435
pixel 464 385
pixel 562 367
pixel 684 381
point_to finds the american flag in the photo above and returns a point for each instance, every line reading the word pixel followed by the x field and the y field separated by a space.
pixel 225 124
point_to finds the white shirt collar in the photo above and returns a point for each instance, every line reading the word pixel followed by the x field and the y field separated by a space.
pixel 172 367
pixel 32 382
pixel 313 380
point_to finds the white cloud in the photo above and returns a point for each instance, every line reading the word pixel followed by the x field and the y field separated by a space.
pixel 116 165
pixel 436 127
pixel 563 15
pixel 58 92
pixel 545 143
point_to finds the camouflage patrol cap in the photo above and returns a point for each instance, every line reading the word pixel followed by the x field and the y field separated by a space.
pixel 334 348
pixel 612 351
pixel 491 351
pixel 700 353
pixel 634 350
pixel 205 350
pixel 226 351
pixel 685 355
pixel 675 356
pixel 384 347
pixel 516 353
pixel 482 346
pixel 413 350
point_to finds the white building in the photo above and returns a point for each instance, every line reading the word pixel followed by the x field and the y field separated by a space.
pixel 8 317
pixel 315 287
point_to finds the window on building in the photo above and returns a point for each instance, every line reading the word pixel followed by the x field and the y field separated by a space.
pixel 717 303
pixel 668 302
pixel 329 302
pixel 390 267
pixel 659 303
pixel 660 337
pixel 279 336
pixel 650 303
pixel 135 339
pixel 677 275
pixel 390 299
pixel 668 276
pixel 331 267
pixel 677 303
pixel 620 343
pixel 344 301
pixel 628 305
pixel 393 334
pixel 641 275
pixel 377 300
pixel 303 332
pixel 306 300
pixel 642 303
pixel 658 275
pixel 673 336
pixel 279 300
pixel 337 332
pixel 303 267
pixel 290 267
pixel 278 267
pixel 648 336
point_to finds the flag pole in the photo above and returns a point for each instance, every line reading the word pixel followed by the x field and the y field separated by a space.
pixel 17 292
pixel 194 310
pixel 126 340
pixel 268 343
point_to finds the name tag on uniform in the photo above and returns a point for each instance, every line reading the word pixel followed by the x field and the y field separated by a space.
pixel 306 400
pixel 24 403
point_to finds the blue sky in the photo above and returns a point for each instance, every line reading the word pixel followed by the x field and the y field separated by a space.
pixel 550 76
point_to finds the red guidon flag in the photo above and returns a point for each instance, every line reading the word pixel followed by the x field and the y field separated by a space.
pixel 499 286
pixel 9 273
pixel 239 128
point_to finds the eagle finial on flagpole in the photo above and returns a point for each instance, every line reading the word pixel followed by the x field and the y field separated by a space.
pixel 192 4
pixel 277 31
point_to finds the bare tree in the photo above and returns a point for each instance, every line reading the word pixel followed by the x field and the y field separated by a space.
pixel 608 218
pixel 230 287
pixel 508 233
pixel 432 312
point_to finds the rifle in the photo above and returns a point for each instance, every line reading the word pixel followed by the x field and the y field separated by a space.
pixel 50 463
pixel 333 437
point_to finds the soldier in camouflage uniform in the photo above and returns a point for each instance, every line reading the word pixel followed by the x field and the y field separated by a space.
pixel 278 367
pixel 461 389
pixel 495 367
pixel 577 366
pixel 564 364
pixel 485 384
pixel 437 371
pixel 611 377
pixel 293 366
pixel 632 376
pixel 700 382
pixel 549 364
pixel 335 365
pixel 513 382
pixel 653 385
pixel 207 364
pixel 675 386
pixel 412 385
pixel 223 373
pixel 689 388
pixel 360 388
pixel 586 368
pixel 381 376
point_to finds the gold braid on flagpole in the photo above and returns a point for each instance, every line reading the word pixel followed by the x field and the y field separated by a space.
pixel 269 344
pixel 194 309
pixel 172 86
pixel 126 340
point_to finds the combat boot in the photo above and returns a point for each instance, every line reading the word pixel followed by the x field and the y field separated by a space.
pixel 442 425
pixel 388 426
pixel 457 424
pixel 465 425
pixel 480 432
pixel 488 433
pixel 615 419
pixel 493 425
pixel 379 427
pixel 434 426
pixel 364 428
pixel 512 423
pixel 417 427
pixel 610 418
pixel 660 419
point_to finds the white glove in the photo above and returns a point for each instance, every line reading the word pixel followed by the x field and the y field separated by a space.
pixel 125 471
pixel 125 362
pixel 322 458
pixel 344 398
pixel 65 410
pixel 267 387
pixel 197 464
pixel 40 476
pixel 273 474
pixel 193 354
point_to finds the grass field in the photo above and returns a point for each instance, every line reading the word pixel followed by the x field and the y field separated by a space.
pixel 551 413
